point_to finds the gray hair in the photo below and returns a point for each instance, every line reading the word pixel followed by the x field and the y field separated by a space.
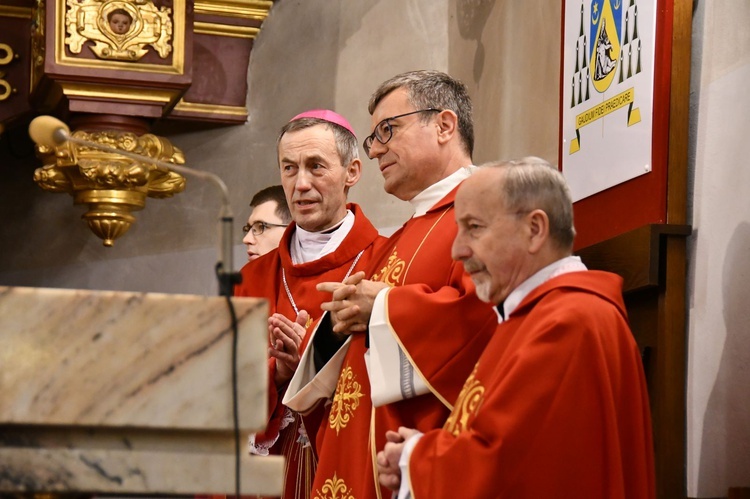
pixel 532 183
pixel 346 142
pixel 433 89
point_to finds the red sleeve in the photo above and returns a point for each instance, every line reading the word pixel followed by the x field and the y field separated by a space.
pixel 563 410
pixel 275 408
pixel 443 330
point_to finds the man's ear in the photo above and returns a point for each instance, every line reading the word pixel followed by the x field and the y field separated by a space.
pixel 353 172
pixel 447 122
pixel 538 230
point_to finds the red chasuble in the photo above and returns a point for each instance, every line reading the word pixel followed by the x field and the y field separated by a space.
pixel 442 327
pixel 285 433
pixel 557 406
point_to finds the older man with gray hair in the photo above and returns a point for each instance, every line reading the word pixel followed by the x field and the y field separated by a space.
pixel 557 405
pixel 328 240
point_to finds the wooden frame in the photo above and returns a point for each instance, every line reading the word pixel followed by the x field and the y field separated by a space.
pixel 647 247
pixel 642 200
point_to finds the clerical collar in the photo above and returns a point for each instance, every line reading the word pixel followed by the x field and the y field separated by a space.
pixel 429 197
pixel 308 246
pixel 500 312
pixel 560 267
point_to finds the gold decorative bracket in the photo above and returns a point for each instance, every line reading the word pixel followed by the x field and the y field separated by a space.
pixel 119 30
pixel 6 57
pixel 112 185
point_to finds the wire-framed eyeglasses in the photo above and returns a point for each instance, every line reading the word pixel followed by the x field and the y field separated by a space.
pixel 258 228
pixel 384 130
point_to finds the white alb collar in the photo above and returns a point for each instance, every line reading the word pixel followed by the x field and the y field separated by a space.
pixel 309 246
pixel 429 197
pixel 562 266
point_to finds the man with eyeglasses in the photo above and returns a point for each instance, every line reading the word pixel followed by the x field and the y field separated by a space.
pixel 557 405
pixel 328 241
pixel 270 214
pixel 396 347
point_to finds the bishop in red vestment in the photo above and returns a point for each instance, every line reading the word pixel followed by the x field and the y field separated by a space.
pixel 328 240
pixel 265 278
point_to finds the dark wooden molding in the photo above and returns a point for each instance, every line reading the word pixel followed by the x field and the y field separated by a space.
pixel 15 24
pixel 636 255
pixel 679 112
pixel 652 262
pixel 739 493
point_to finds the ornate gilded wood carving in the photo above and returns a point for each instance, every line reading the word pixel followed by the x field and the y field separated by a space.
pixel 112 185
pixel 141 66
pixel 119 30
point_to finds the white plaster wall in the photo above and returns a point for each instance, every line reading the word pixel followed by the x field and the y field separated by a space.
pixel 718 412
pixel 508 54
pixel 378 40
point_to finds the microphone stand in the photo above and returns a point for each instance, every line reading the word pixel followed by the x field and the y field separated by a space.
pixel 227 278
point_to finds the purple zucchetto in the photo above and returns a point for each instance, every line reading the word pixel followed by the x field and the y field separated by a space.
pixel 326 115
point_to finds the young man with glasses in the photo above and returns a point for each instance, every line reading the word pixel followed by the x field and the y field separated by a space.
pixel 399 343
pixel 269 216
pixel 328 241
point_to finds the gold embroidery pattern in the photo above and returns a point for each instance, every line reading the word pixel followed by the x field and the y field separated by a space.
pixel 391 272
pixel 345 400
pixel 467 405
pixel 334 488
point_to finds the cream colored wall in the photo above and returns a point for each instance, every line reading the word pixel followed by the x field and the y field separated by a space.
pixel 378 41
pixel 718 411
pixel 508 54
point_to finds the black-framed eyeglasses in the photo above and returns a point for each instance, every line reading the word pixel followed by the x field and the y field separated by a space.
pixel 384 130
pixel 258 228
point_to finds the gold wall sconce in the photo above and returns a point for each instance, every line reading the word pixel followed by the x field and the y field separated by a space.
pixel 113 186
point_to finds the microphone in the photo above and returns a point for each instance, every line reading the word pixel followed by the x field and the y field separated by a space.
pixel 51 132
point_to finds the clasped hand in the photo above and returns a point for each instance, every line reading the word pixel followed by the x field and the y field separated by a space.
pixel 285 337
pixel 351 302
pixel 389 472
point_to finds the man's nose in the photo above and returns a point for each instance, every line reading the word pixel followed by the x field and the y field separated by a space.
pixel 249 238
pixel 376 149
pixel 302 183
pixel 459 250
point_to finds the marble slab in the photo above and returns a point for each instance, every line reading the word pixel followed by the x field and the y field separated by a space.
pixel 99 461
pixel 74 357
pixel 129 393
